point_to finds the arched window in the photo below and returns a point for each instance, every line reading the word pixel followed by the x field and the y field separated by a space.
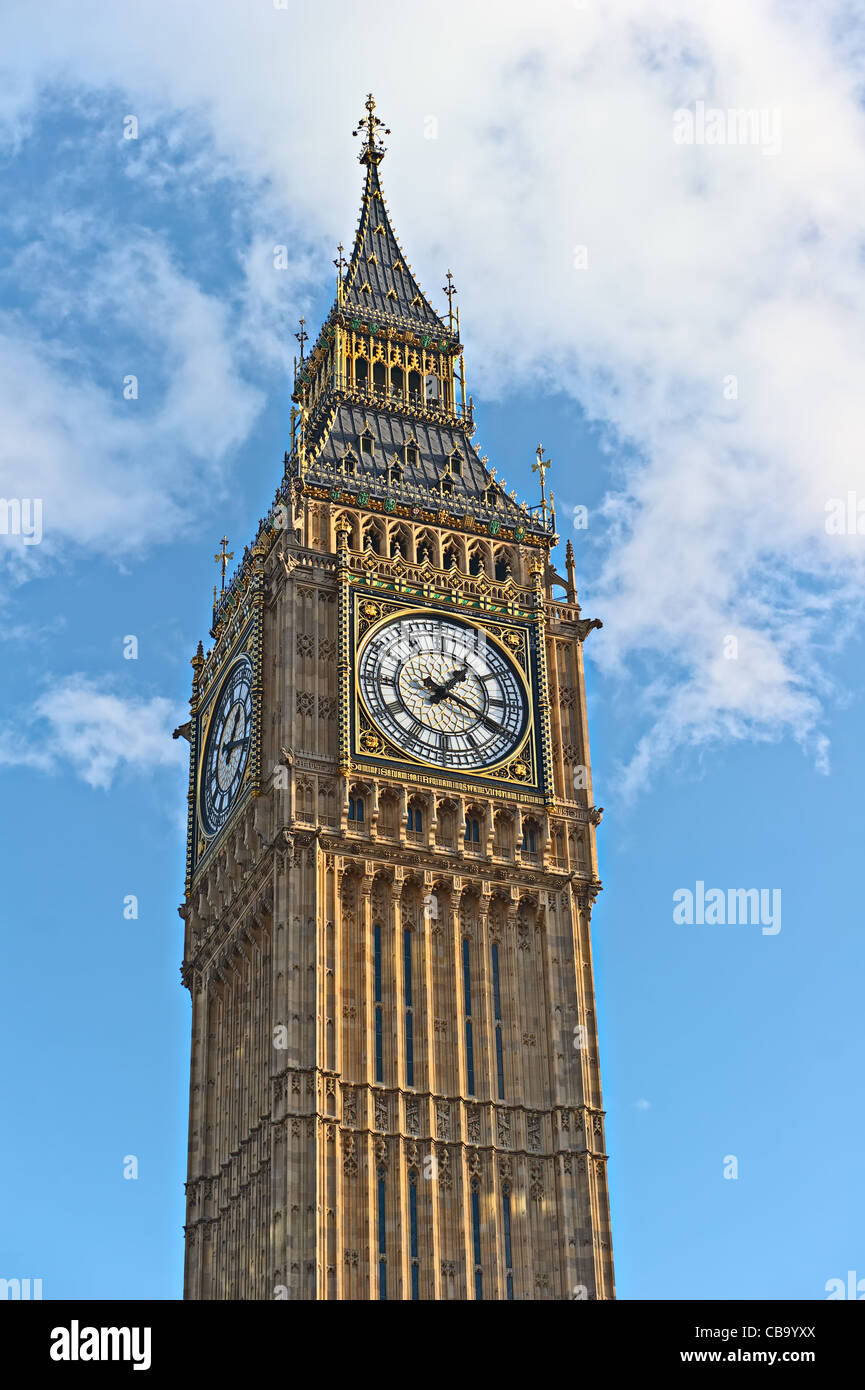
pixel 497 1006
pixel 446 823
pixel 379 1002
pixel 379 374
pixel 396 380
pixel 467 1002
pixel 381 1174
pixel 475 562
pixel 502 565
pixel 506 1224
pixel 361 371
pixel 413 1240
pixel 449 557
pixel 473 830
pixel 366 444
pixel 503 834
pixel 409 1011
pixel 531 837
pixel 476 1238
pixel 388 813
pixel 415 820
pixel 355 808
pixel 427 547
pixel 414 386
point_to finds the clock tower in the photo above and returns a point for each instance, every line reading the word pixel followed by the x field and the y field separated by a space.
pixel 395 1088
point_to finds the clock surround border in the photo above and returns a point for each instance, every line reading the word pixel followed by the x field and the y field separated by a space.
pixel 248 643
pixel 213 701
pixel 529 671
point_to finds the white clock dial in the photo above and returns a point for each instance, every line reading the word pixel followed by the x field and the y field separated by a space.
pixel 444 692
pixel 226 751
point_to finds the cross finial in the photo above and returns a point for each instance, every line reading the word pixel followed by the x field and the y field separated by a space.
pixel 222 558
pixel 340 264
pixel 302 336
pixel 373 151
pixel 450 290
pixel 542 466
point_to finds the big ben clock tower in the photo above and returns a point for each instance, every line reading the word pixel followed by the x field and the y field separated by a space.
pixel 395 1088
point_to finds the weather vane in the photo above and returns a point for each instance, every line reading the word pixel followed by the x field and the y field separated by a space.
pixel 371 125
pixel 223 557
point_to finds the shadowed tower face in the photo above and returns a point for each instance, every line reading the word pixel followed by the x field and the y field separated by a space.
pixel 395 1089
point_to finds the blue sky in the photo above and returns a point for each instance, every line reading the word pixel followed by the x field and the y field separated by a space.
pixel 155 257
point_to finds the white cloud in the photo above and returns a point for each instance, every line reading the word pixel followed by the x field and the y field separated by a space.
pixel 108 469
pixel 555 129
pixel 77 722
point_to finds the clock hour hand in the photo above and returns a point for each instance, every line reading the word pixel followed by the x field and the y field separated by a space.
pixel 454 680
pixel 441 692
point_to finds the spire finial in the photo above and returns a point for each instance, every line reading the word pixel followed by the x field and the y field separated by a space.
pixel 222 558
pixel 302 337
pixel 373 150
pixel 541 467
pixel 340 264
pixel 450 290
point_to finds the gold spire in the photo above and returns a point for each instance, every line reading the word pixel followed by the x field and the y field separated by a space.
pixel 373 150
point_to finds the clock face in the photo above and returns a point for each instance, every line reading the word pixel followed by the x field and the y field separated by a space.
pixel 226 751
pixel 444 692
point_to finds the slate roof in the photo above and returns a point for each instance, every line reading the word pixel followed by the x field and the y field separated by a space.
pixel 378 261
pixel 379 288
pixel 391 433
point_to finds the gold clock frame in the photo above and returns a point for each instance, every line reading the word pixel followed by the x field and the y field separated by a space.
pixel 246 644
pixel 520 768
pixel 213 701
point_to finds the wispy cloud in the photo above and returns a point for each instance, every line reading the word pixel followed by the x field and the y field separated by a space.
pixel 79 724
pixel 103 446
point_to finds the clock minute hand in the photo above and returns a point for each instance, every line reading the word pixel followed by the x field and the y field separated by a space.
pixel 235 743
pixel 483 718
